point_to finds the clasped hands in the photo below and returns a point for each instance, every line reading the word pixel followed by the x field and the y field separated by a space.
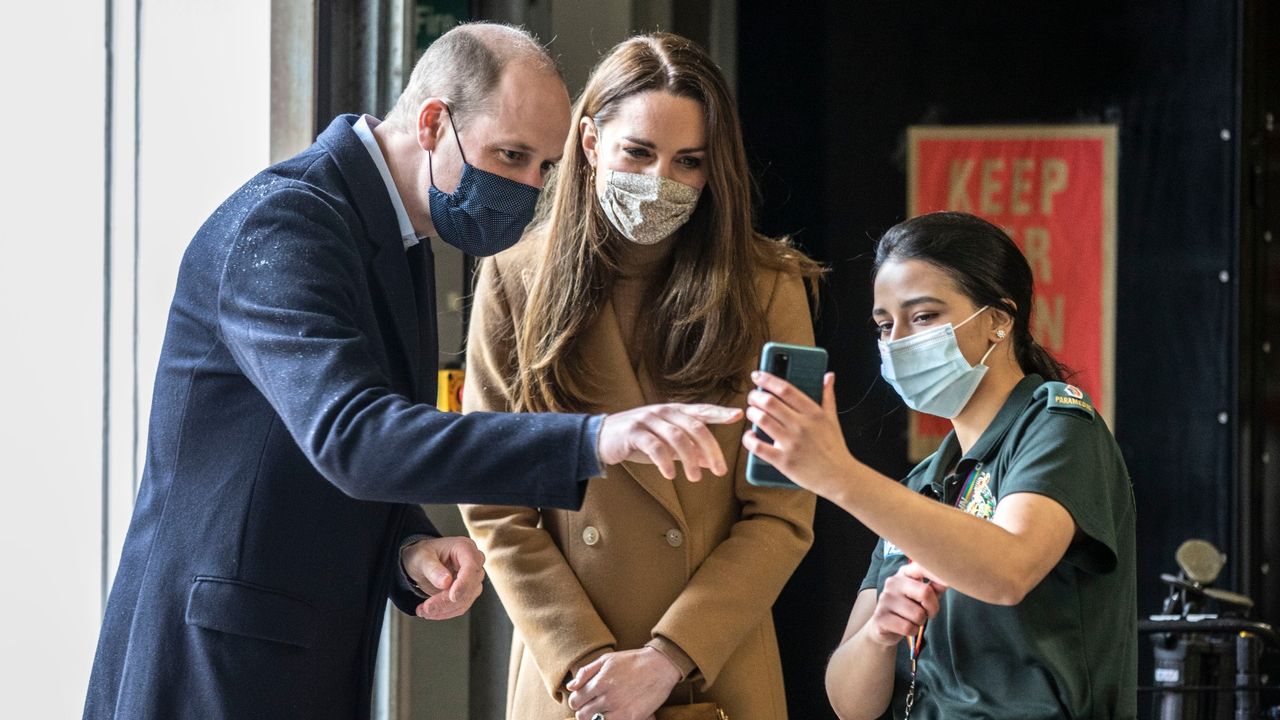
pixel 625 685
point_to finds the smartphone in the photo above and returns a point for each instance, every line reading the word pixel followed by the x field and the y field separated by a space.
pixel 802 366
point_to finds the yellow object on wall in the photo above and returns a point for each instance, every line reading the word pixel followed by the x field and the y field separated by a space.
pixel 449 390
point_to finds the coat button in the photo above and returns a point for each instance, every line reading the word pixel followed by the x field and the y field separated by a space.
pixel 675 538
pixel 590 535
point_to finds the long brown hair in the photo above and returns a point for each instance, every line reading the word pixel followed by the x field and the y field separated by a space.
pixel 706 320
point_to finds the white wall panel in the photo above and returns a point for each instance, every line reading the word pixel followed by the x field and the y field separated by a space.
pixel 51 357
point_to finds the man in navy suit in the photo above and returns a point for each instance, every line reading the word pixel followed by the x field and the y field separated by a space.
pixel 292 432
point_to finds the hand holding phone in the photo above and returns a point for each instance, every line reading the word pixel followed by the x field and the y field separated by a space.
pixel 802 366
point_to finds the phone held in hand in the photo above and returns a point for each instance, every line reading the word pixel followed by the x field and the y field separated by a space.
pixel 802 366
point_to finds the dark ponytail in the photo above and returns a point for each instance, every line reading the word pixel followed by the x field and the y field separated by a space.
pixel 986 266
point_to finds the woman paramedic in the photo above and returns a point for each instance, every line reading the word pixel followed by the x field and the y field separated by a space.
pixel 1002 585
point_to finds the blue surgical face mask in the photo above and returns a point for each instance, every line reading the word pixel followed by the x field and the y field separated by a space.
pixel 486 213
pixel 929 371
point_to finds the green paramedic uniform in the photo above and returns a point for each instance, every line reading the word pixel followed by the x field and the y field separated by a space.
pixel 1070 648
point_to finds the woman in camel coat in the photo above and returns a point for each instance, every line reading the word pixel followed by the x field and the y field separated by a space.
pixel 642 281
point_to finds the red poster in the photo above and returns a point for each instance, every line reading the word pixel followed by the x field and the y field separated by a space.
pixel 1053 189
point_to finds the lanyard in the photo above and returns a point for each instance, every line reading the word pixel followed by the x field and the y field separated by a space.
pixel 916 644
pixel 967 493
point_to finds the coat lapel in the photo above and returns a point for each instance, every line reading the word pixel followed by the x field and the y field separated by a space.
pixel 728 437
pixel 617 388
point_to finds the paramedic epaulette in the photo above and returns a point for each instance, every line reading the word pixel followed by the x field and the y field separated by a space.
pixel 1063 398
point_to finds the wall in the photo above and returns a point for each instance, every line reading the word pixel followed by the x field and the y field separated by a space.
pixel 1259 323
pixel 128 129
pixel 51 297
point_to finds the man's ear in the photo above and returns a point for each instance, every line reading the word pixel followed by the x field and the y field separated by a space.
pixel 431 123
pixel 590 140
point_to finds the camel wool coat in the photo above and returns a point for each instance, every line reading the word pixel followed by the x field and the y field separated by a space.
pixel 691 569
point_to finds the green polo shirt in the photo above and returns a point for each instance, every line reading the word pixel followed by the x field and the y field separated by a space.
pixel 1070 648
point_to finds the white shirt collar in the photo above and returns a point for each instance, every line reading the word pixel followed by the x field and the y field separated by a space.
pixel 364 130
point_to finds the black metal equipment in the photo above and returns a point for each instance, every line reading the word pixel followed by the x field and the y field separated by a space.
pixel 1207 664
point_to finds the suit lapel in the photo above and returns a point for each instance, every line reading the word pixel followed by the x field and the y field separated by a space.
pixel 617 388
pixel 423 269
pixel 391 275
pixel 390 267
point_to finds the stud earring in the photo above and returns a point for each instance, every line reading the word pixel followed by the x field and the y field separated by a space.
pixel 1000 334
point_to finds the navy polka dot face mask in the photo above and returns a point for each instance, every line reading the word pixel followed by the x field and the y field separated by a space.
pixel 486 213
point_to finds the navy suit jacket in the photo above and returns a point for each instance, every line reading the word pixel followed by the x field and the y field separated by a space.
pixel 291 436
